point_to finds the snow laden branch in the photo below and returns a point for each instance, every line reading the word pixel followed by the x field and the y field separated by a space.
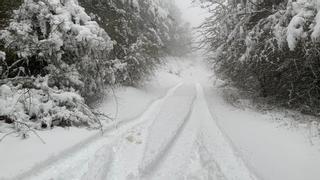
pixel 42 107
pixel 67 54
pixel 59 40
pixel 268 49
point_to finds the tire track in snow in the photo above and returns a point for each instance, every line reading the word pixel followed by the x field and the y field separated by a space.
pixel 227 138
pixel 217 149
pixel 76 163
pixel 188 158
pixel 202 166
pixel 127 152
pixel 196 153
pixel 106 158
pixel 166 129
pixel 122 157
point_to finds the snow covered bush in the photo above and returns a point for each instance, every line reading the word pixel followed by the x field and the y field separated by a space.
pixel 269 49
pixel 59 38
pixel 58 55
pixel 55 59
pixel 42 107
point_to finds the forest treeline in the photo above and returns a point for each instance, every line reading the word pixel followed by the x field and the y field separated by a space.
pixel 56 56
pixel 269 49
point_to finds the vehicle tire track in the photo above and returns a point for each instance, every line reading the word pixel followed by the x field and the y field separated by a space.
pixel 216 147
pixel 203 166
pixel 150 164
pixel 78 162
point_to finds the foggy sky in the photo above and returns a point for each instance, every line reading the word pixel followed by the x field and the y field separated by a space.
pixel 191 13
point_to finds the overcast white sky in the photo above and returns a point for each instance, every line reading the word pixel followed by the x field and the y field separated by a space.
pixel 195 15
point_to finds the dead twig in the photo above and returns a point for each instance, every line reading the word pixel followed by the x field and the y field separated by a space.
pixel 89 112
pixel 29 129
pixel 103 115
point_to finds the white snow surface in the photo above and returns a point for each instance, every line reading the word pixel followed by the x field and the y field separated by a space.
pixel 24 157
pixel 175 127
pixel 273 145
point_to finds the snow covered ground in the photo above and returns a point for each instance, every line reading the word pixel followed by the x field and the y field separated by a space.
pixel 271 150
pixel 24 157
pixel 177 126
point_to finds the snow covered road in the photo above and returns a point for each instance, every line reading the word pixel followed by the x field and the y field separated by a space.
pixel 176 138
pixel 187 133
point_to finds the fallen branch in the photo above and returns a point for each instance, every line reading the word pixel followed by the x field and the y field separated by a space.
pixel 29 129
pixel 32 130
pixel 103 115
pixel 92 115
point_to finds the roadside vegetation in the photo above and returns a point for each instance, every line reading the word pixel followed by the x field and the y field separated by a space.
pixel 59 56
pixel 268 49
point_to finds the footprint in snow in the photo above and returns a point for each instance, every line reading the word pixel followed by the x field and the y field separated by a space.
pixel 132 139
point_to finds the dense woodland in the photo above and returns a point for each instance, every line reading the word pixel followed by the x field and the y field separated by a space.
pixel 58 56
pixel 268 49
pixel 62 55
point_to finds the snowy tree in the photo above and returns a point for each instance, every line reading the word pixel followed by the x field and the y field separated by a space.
pixel 143 31
pixel 54 52
pixel 58 55
pixel 63 40
pixel 267 48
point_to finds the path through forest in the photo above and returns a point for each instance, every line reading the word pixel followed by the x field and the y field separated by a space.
pixel 175 138
pixel 188 133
